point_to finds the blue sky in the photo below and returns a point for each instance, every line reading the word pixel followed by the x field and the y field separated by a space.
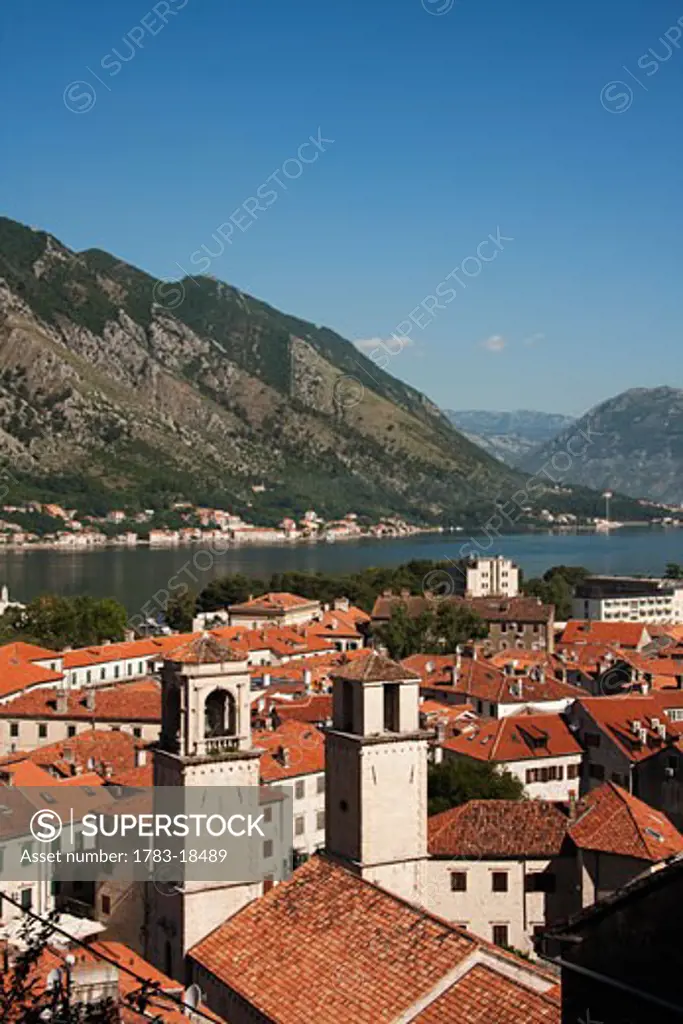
pixel 450 123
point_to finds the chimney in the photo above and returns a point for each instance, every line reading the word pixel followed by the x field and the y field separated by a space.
pixel 283 756
pixel 68 754
pixel 90 699
pixel 140 758
pixel 572 807
pixel 455 672
pixel 61 702
pixel 308 678
pixel 642 736
pixel 341 604
pixel 440 732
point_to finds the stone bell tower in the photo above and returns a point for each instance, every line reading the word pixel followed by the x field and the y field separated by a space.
pixel 205 741
pixel 376 775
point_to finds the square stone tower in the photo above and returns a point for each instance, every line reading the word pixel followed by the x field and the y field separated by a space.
pixel 205 741
pixel 376 775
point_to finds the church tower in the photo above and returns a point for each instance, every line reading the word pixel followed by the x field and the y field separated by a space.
pixel 376 775
pixel 205 741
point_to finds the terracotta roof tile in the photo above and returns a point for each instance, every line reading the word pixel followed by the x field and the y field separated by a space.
pixel 617 716
pixel 498 828
pixel 374 668
pixel 325 946
pixel 127 702
pixel 483 996
pixel 203 649
pixel 611 820
pixel 290 750
pixel 516 738
pixel 620 634
pixel 274 602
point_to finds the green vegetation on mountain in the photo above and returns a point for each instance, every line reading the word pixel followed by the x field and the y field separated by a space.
pixel 117 388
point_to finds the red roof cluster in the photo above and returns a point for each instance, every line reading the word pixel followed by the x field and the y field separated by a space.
pixel 290 750
pixel 516 738
pixel 328 946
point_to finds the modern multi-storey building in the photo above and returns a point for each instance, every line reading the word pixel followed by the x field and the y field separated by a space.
pixel 628 599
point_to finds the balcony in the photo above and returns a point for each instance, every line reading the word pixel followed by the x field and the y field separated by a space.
pixel 215 745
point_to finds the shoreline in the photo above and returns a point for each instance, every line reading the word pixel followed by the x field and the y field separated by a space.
pixel 457 534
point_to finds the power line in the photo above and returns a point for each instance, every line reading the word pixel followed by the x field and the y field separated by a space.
pixel 107 959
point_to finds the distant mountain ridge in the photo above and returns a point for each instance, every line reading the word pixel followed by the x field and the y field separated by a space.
pixel 636 445
pixel 508 436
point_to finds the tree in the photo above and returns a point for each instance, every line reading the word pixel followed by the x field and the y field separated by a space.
pixel 455 624
pixel 24 995
pixel 56 621
pixel 673 571
pixel 457 780
pixel 436 630
pixel 180 611
pixel 556 586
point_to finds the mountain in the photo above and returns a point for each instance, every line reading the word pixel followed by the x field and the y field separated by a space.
pixel 508 436
pixel 116 388
pixel 635 445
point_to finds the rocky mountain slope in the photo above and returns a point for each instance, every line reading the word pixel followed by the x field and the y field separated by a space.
pixel 508 436
pixel 117 387
pixel 636 445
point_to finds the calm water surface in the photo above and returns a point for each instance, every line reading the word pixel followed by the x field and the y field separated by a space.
pixel 133 576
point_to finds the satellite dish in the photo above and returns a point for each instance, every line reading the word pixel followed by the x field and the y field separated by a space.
pixel 193 997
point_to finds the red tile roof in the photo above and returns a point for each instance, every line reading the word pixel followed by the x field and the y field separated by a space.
pixel 94 750
pixel 290 750
pixel 610 820
pixel 516 738
pixel 498 828
pixel 315 708
pixel 127 702
pixel 203 649
pixel 18 672
pixel 483 996
pixel 617 716
pixel 326 946
pixel 480 680
pixel 274 603
pixel 372 667
pixel 620 634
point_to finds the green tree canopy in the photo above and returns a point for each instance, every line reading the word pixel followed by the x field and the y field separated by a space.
pixel 56 621
pixel 437 630
pixel 455 781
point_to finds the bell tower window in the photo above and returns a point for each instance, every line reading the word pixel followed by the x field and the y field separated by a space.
pixel 391 707
pixel 220 715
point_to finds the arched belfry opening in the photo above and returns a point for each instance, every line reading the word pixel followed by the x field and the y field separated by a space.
pixel 220 714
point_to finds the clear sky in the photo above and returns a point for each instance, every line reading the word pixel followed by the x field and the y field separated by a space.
pixel 450 121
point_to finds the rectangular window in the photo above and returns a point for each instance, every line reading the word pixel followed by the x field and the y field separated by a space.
pixel 14 729
pixel 540 881
pixel 42 731
pixel 596 771
pixel 347 706
pixel 137 732
pixel 500 935
pixel 88 676
pixel 320 820
pixel 71 730
pixel 499 881
pixel 130 668
pixel 299 825
pixel 299 789
pixel 116 671
pixel 320 784
pixel 267 849
pixel 572 771
pixel 391 707
pixel 268 814
pixel 26 899
pixel 103 673
pixel 458 881
pixel 106 905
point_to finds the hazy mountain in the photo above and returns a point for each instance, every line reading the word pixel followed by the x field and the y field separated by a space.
pixel 509 436
pixel 636 445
